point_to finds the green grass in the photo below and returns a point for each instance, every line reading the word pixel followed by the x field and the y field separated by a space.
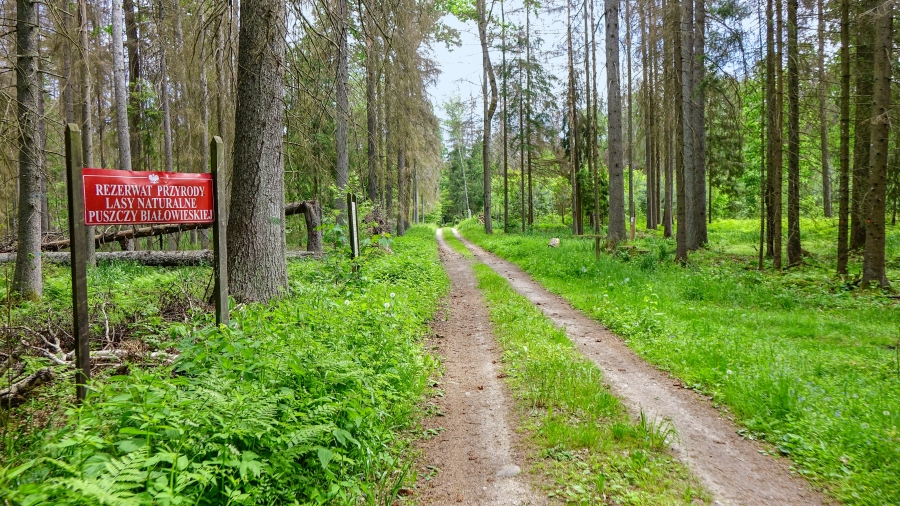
pixel 584 440
pixel 455 243
pixel 308 400
pixel 803 360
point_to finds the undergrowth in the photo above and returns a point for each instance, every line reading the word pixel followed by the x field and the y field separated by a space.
pixel 301 401
pixel 801 358
pixel 585 440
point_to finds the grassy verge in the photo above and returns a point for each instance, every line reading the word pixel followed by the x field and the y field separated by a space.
pixel 455 243
pixel 585 441
pixel 302 401
pixel 802 360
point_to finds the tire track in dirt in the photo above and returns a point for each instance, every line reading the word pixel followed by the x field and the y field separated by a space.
pixel 472 459
pixel 731 468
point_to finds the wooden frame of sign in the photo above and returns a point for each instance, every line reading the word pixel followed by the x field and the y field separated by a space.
pixel 120 204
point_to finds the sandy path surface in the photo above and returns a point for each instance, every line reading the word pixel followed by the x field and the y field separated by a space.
pixel 731 468
pixel 472 459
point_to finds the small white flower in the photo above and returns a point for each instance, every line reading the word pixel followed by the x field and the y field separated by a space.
pixel 887 413
pixel 346 302
pixel 387 305
pixel 729 371
pixel 393 295
pixel 627 280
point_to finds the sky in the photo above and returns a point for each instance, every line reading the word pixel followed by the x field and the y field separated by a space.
pixel 461 68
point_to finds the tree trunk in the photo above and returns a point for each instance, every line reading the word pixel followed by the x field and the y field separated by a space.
pixel 593 127
pixel 648 125
pixel 573 122
pixel 27 278
pixel 687 90
pixel 616 230
pixel 256 224
pixel 794 252
pixel 342 112
pixel 823 116
pixel 629 141
pixel 528 111
pixel 505 123
pixel 669 120
pixel 204 119
pixel 135 85
pixel 401 190
pixel 371 120
pixel 489 109
pixel 681 250
pixel 698 229
pixel 87 128
pixel 121 91
pixel 873 258
pixel 862 131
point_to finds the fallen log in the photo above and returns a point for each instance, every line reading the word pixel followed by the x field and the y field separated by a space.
pixel 149 258
pixel 309 208
pixel 15 394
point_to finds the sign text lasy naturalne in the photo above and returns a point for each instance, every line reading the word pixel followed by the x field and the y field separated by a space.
pixel 120 197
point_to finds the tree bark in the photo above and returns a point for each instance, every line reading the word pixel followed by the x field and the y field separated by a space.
pixel 27 280
pixel 823 116
pixel 342 112
pixel 681 250
pixel 135 84
pixel 505 122
pixel 687 105
pixel 862 135
pixel 490 106
pixel 256 224
pixel 371 119
pixel 629 141
pixel 794 252
pixel 875 202
pixel 120 88
pixel 698 229
pixel 87 128
pixel 844 183
pixel 616 230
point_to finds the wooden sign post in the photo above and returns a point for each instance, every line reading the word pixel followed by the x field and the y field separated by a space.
pixel 119 197
pixel 220 248
pixel 75 189
pixel 353 226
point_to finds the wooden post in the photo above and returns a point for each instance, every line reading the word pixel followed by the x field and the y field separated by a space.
pixel 220 249
pixel 353 226
pixel 78 246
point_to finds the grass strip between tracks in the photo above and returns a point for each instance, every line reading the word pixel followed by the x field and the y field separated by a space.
pixel 581 436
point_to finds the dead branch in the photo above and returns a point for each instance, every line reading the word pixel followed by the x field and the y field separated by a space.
pixel 15 394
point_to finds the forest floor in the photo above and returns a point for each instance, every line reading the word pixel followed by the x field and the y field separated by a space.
pixel 476 441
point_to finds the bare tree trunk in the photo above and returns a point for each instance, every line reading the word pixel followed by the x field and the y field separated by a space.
pixel 490 106
pixel 823 116
pixel 687 90
pixel 573 122
pixel 505 123
pixel 681 250
pixel 794 252
pixel 528 112
pixel 120 88
pixel 862 131
pixel 256 224
pixel 648 123
pixel 522 148
pixel 874 253
pixel 401 190
pixel 342 112
pixel 371 119
pixel 616 230
pixel 87 128
pixel 135 85
pixel 629 141
pixel 844 183
pixel 204 119
pixel 593 127
pixel 698 229
pixel 27 280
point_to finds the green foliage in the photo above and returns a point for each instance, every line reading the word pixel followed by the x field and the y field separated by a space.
pixel 302 401
pixel 803 360
pixel 585 440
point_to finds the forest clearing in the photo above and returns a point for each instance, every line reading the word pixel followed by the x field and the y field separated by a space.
pixel 449 252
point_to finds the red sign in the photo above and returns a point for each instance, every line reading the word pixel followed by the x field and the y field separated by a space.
pixel 121 197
